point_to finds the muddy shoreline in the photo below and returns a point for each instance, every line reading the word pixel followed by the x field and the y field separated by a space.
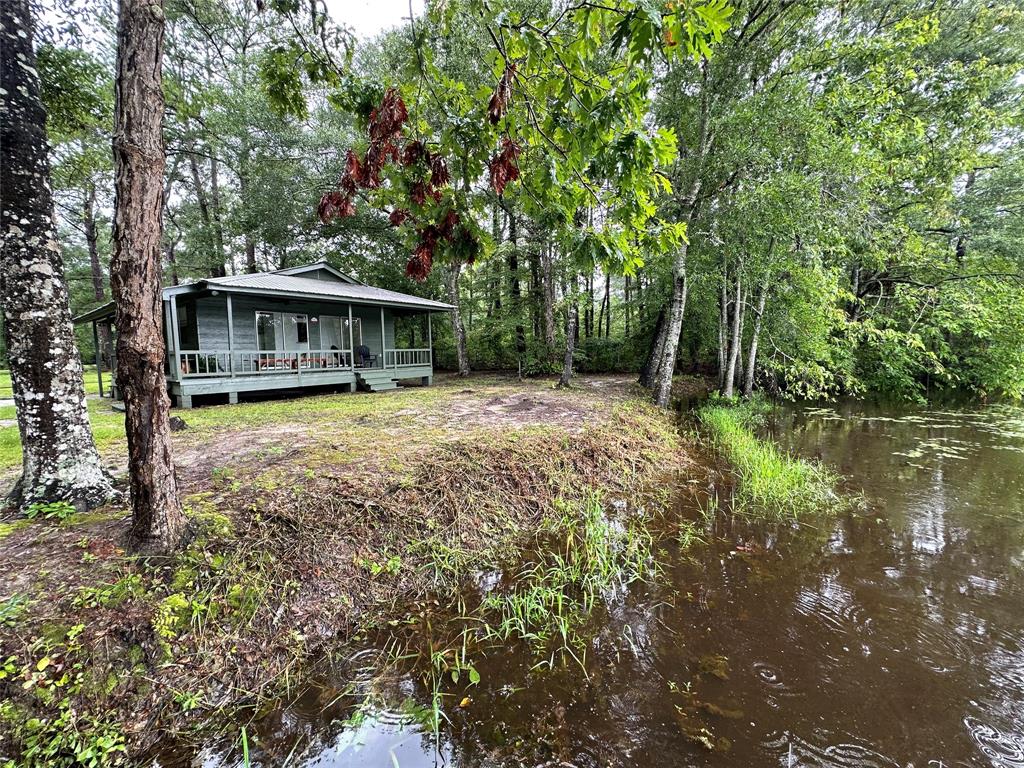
pixel 307 531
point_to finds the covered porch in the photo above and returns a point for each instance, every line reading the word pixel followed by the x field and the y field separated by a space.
pixel 225 343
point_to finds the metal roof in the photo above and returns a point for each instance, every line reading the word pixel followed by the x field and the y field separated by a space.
pixel 273 282
pixel 267 283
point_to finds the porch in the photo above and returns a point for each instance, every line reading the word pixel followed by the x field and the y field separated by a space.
pixel 264 344
pixel 297 328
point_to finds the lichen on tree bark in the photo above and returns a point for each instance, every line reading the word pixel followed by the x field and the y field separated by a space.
pixel 59 457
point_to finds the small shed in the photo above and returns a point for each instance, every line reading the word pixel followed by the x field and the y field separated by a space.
pixel 308 326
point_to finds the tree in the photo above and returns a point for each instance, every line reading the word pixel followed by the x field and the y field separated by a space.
pixel 60 461
pixel 157 518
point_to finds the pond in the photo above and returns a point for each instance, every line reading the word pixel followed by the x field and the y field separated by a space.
pixel 890 635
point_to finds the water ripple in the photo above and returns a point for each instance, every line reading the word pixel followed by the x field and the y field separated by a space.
pixel 793 750
pixel 1005 750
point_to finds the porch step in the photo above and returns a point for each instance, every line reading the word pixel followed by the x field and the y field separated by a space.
pixel 377 380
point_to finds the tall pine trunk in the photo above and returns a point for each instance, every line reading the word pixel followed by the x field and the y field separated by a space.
pixel 572 322
pixel 59 457
pixel 96 270
pixel 458 328
pixel 548 277
pixel 157 519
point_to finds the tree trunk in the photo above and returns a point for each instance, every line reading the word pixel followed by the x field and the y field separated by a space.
pixel 548 277
pixel 723 326
pixel 748 381
pixel 666 364
pixel 458 329
pixel 572 321
pixel 649 370
pixel 626 306
pixel 157 519
pixel 220 268
pixel 734 344
pixel 515 289
pixel 607 306
pixel 743 326
pixel 689 204
pixel 96 269
pixel 215 270
pixel 59 457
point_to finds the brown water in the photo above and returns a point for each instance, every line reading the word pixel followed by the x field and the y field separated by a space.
pixel 889 636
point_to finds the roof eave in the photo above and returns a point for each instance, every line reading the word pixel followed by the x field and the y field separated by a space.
pixel 438 306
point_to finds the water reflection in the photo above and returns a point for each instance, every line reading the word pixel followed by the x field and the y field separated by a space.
pixel 892 636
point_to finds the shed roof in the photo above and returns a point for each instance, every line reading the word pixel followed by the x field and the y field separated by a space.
pixel 291 286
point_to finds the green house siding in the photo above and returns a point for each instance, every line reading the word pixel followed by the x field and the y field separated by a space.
pixel 212 319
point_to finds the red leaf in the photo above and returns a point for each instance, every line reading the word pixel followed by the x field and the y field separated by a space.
pixel 398 217
pixel 503 167
pixel 447 226
pixel 418 193
pixel 502 95
pixel 414 150
pixel 421 263
pixel 439 175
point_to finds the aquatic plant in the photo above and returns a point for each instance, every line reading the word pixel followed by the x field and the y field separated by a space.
pixel 771 483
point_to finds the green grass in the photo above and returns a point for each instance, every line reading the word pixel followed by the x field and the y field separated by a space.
pixel 771 483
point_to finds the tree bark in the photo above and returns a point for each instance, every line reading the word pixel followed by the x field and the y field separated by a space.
pixel 649 370
pixel 458 329
pixel 734 344
pixel 666 364
pixel 96 269
pixel 220 268
pixel 748 381
pixel 214 268
pixel 572 321
pixel 514 286
pixel 548 277
pixel 157 518
pixel 59 457
pixel 665 354
pixel 723 325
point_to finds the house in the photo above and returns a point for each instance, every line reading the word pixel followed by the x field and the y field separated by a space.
pixel 297 328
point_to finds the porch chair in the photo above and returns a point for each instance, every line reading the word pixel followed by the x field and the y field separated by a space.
pixel 366 360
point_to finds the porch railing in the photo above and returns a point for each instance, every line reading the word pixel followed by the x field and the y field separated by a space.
pixel 193 363
pixel 406 358
pixel 196 363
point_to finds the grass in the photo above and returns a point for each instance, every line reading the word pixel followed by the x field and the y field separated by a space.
pixel 317 518
pixel 771 482
pixel 594 557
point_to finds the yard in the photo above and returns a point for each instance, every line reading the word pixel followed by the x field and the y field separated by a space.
pixel 311 519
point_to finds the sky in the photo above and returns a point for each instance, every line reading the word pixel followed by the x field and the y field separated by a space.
pixel 368 17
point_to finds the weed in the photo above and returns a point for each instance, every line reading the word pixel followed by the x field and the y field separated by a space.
pixel 49 510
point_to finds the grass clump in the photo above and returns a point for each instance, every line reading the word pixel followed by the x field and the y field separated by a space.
pixel 771 482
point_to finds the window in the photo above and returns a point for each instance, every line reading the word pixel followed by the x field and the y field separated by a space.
pixel 334 332
pixel 301 329
pixel 188 328
pixel 268 326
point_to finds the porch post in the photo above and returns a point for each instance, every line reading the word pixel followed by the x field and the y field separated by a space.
pixel 175 340
pixel 231 339
pixel 351 341
pixel 430 342
pixel 384 342
pixel 99 357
